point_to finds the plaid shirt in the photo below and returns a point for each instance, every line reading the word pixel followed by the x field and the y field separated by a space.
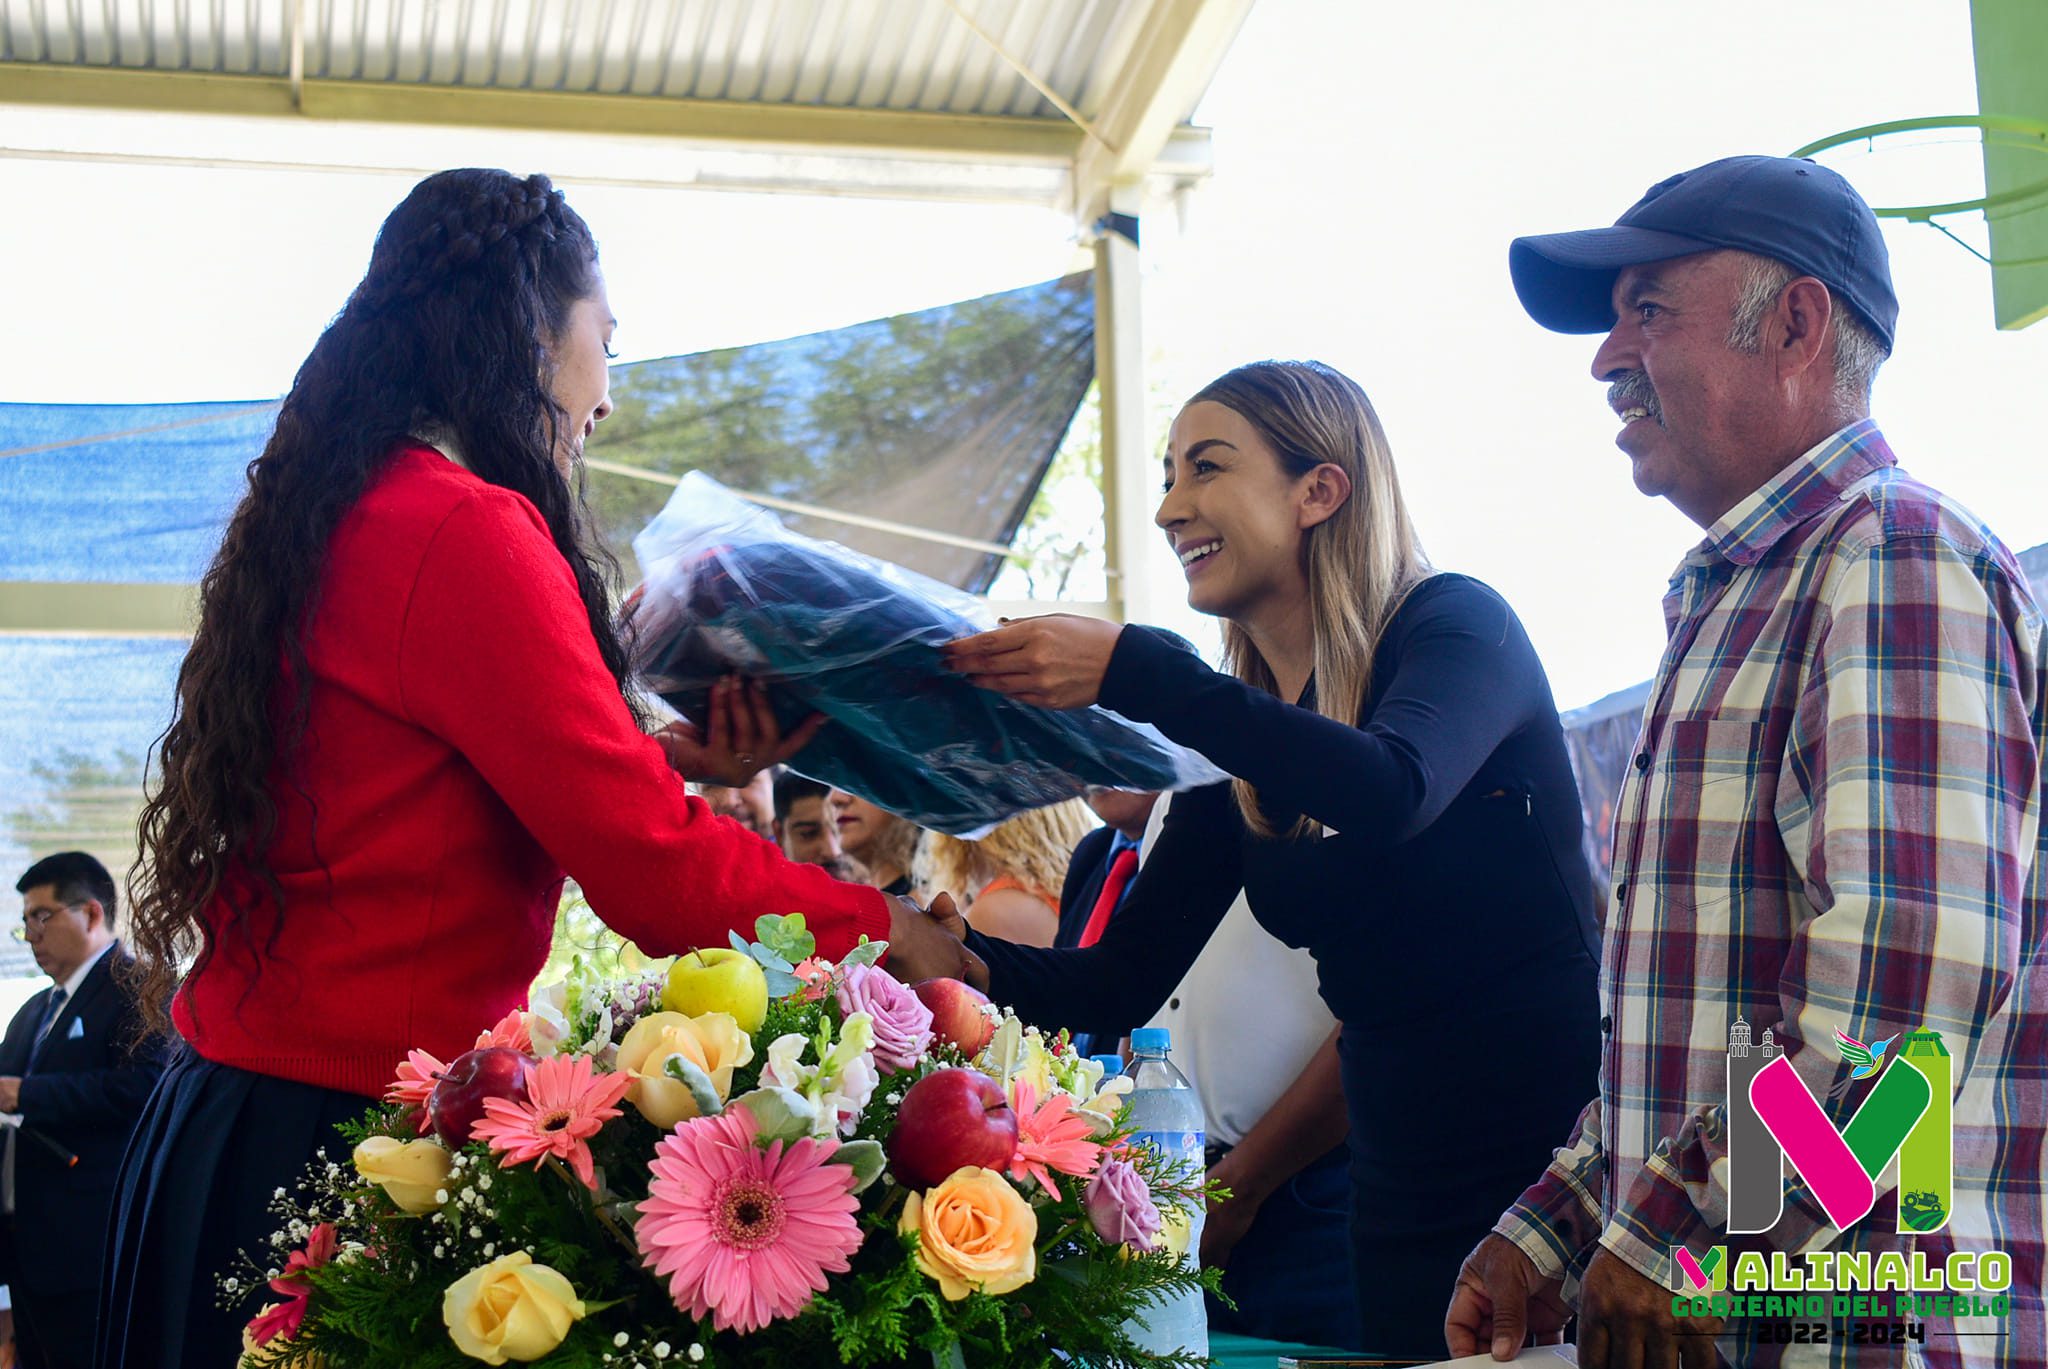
pixel 1832 821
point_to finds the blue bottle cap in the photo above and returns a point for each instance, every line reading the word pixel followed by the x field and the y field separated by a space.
pixel 1112 1065
pixel 1152 1039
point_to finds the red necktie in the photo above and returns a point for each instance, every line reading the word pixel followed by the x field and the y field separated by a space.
pixel 1120 871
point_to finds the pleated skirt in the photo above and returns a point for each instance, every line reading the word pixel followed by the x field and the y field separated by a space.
pixel 196 1189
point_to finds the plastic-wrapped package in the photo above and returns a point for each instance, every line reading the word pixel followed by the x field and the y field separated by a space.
pixel 727 588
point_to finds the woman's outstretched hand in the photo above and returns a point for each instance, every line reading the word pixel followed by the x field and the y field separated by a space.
pixel 930 943
pixel 739 739
pixel 1057 661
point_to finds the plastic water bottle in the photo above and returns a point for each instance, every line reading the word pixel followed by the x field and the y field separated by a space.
pixel 1168 1116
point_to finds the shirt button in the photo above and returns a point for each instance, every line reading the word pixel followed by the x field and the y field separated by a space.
pixel 1607 1025
pixel 1642 760
pixel 1173 1002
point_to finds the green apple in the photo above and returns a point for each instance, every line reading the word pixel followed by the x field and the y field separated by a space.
pixel 718 979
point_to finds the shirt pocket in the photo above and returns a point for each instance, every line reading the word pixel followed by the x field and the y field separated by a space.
pixel 1714 801
pixel 1711 769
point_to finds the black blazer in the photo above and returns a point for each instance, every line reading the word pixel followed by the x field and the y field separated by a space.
pixel 84 1093
pixel 1085 874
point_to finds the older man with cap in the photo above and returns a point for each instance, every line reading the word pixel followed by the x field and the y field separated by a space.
pixel 1831 831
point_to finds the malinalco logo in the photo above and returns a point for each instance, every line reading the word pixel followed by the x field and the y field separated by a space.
pixel 1772 1118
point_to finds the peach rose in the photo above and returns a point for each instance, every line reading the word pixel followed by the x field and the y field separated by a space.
pixel 510 1308
pixel 711 1041
pixel 974 1230
pixel 410 1172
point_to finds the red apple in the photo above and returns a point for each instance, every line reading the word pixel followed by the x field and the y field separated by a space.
pixel 949 1120
pixel 457 1102
pixel 958 1012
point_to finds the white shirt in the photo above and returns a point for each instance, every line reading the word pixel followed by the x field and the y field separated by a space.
pixel 1246 1018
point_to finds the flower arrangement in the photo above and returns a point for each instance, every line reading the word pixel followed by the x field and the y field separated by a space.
pixel 755 1158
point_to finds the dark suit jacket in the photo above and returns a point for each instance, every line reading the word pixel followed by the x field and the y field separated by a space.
pixel 84 1092
pixel 1086 872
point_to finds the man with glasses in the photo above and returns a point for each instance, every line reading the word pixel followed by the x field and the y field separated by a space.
pixel 73 1073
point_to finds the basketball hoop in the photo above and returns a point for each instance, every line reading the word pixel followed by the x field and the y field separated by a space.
pixel 2030 135
pixel 2027 134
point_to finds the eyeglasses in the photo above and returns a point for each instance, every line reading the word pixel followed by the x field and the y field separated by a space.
pixel 35 919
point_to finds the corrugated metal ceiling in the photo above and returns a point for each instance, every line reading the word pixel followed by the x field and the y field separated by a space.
pixel 916 55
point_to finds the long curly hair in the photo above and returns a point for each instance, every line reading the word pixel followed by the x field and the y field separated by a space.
pixel 1032 848
pixel 448 334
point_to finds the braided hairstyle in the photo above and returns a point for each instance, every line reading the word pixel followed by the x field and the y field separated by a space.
pixel 447 334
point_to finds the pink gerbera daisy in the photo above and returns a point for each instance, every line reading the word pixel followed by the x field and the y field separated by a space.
pixel 1050 1135
pixel 743 1233
pixel 511 1032
pixel 566 1104
pixel 417 1075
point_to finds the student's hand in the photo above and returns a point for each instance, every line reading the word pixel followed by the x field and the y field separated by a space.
pixel 10 1093
pixel 1230 1218
pixel 1625 1321
pixel 740 737
pixel 1501 1301
pixel 1057 661
pixel 929 944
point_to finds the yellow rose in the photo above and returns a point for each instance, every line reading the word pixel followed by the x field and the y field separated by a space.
pixel 974 1230
pixel 411 1172
pixel 510 1308
pixel 711 1041
pixel 1176 1229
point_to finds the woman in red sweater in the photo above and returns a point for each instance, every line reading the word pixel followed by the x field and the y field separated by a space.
pixel 404 717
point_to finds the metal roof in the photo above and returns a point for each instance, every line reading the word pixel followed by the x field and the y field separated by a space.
pixel 1093 91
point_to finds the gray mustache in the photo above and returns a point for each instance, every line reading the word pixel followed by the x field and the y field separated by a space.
pixel 1634 390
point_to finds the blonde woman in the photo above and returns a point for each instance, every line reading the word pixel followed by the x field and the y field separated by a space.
pixel 1012 876
pixel 1402 806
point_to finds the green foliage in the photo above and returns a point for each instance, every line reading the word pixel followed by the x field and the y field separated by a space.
pixel 87 803
pixel 582 943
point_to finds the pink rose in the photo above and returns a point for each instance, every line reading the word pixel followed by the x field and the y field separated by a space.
pixel 903 1024
pixel 1121 1207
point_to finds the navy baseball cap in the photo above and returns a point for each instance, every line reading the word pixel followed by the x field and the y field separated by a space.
pixel 1794 210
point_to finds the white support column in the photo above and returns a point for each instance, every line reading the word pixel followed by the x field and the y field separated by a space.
pixel 1120 377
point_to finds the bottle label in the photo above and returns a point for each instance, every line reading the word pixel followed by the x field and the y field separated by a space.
pixel 1173 1145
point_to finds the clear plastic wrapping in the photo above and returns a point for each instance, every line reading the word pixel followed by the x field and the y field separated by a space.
pixel 728 589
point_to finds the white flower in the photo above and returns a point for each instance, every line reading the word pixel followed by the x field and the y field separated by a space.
pixel 547 1021
pixel 696 1354
pixel 621 1340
